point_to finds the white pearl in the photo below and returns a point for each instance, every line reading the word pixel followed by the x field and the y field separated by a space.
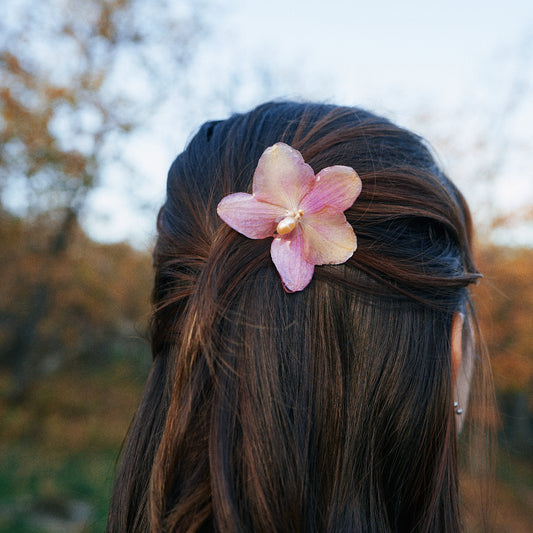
pixel 286 225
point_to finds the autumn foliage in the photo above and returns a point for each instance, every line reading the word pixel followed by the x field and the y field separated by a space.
pixel 88 302
pixel 505 305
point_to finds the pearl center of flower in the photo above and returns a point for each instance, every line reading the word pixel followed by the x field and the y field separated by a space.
pixel 287 224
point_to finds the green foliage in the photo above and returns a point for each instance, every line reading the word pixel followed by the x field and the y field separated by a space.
pixel 60 448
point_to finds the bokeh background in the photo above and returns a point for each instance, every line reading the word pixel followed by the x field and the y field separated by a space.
pixel 96 99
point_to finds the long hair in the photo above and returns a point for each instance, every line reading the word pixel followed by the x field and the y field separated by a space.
pixel 330 409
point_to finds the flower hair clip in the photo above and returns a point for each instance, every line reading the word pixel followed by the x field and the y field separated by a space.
pixel 303 213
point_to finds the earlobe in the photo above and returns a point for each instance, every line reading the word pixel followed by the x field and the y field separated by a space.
pixel 456 345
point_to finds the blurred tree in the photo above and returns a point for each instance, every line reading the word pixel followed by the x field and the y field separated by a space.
pixel 506 309
pixel 76 76
pixel 505 304
pixel 97 296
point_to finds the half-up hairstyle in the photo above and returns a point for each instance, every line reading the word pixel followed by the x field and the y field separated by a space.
pixel 329 409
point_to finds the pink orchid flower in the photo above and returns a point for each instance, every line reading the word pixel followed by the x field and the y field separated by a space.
pixel 304 213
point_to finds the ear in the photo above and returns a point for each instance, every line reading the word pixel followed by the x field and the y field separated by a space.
pixel 457 344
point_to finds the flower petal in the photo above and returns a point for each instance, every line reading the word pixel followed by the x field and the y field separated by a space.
pixel 287 255
pixel 328 237
pixel 249 216
pixel 282 177
pixel 336 187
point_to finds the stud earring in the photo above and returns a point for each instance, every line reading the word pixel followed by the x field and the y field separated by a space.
pixel 458 409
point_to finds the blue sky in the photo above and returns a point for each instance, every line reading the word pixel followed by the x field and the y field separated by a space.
pixel 358 51
pixel 459 73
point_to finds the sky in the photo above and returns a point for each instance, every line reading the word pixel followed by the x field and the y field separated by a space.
pixel 458 72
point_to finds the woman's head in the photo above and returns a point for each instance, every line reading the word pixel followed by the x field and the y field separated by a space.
pixel 327 409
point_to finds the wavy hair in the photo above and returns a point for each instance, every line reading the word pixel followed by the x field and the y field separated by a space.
pixel 330 409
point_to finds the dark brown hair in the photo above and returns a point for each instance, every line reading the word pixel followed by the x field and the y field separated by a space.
pixel 330 409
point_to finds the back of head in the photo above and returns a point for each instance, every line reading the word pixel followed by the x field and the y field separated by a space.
pixel 327 409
